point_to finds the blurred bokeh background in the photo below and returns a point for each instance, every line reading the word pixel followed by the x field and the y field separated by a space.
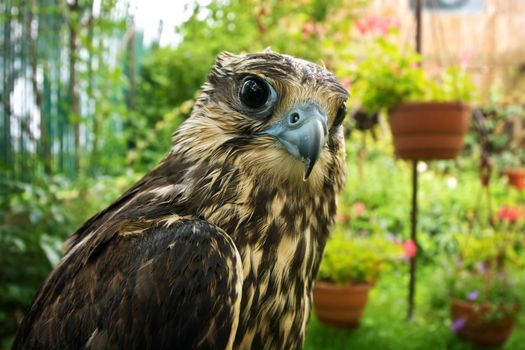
pixel 91 91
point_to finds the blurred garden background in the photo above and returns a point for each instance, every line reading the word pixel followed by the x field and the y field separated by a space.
pixel 91 91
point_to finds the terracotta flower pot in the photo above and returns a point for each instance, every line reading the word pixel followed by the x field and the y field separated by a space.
pixel 340 306
pixel 516 177
pixel 429 130
pixel 478 329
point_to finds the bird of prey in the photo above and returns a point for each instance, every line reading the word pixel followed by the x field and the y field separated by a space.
pixel 218 246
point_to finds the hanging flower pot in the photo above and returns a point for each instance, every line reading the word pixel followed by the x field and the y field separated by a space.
pixel 429 130
pixel 340 306
pixel 472 323
pixel 516 177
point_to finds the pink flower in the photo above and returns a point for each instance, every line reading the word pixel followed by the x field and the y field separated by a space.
pixel 381 25
pixel 312 29
pixel 346 83
pixel 410 248
pixel 384 24
pixel 308 29
pixel 376 25
pixel 508 213
pixel 358 209
pixel 361 27
pixel 512 214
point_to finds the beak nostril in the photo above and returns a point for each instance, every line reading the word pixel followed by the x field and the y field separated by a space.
pixel 294 118
pixel 302 131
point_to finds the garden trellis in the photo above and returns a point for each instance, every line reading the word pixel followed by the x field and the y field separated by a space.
pixel 55 57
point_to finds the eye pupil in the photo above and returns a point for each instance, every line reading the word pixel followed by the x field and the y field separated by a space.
pixel 254 93
pixel 341 114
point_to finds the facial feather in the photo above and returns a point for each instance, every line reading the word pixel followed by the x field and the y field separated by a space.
pixel 219 128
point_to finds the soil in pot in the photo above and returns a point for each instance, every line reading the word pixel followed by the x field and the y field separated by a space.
pixel 340 306
pixel 476 328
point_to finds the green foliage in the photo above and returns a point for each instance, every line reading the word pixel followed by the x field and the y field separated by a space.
pixel 487 270
pixel 168 77
pixel 293 27
pixel 454 85
pixel 34 221
pixel 451 198
pixel 391 74
pixel 500 121
pixel 155 141
pixel 388 76
pixel 352 259
pixel 33 226
pixel 502 292
pixel 489 247
pixel 510 158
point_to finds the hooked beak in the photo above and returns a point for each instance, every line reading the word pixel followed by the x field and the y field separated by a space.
pixel 302 132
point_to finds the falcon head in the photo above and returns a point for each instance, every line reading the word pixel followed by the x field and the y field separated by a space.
pixel 277 117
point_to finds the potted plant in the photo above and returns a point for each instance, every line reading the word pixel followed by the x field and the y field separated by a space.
pixel 486 285
pixel 515 170
pixel 350 267
pixel 503 124
pixel 428 116
pixel 516 177
pixel 512 162
pixel 484 306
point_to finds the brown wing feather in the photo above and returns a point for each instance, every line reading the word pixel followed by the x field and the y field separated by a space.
pixel 170 287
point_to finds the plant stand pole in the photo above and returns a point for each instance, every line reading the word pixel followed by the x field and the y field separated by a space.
pixel 413 215
pixel 413 237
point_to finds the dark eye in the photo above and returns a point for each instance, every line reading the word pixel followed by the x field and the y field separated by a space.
pixel 254 93
pixel 340 116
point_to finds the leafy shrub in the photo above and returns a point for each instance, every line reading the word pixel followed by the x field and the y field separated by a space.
pixel 390 74
pixel 32 227
pixel 34 221
pixel 351 259
pixel 486 269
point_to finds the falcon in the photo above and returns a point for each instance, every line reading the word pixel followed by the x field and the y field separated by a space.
pixel 219 245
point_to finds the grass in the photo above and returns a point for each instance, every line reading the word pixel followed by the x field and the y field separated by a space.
pixel 384 325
